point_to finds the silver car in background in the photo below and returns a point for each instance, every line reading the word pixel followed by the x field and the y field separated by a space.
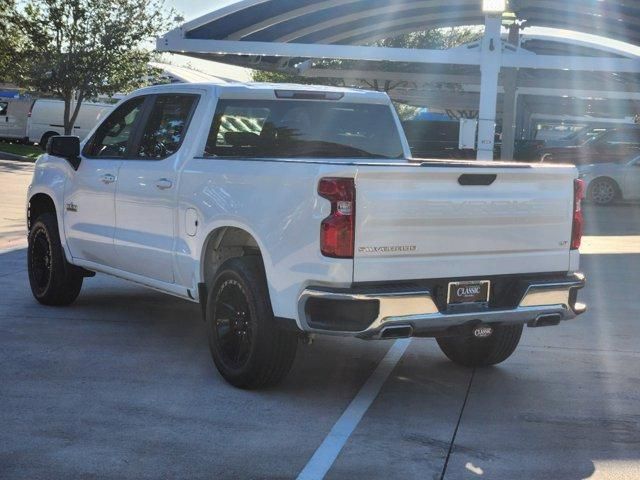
pixel 610 182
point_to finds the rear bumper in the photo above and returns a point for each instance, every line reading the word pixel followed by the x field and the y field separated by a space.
pixel 392 311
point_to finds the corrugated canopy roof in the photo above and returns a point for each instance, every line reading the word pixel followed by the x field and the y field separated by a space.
pixel 357 22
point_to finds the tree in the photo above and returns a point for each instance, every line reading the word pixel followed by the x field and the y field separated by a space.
pixel 437 39
pixel 8 37
pixel 81 49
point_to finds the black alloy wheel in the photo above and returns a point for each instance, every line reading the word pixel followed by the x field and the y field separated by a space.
pixel 233 324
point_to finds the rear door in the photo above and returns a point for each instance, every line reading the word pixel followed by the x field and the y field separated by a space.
pixel 453 222
pixel 89 215
pixel 147 187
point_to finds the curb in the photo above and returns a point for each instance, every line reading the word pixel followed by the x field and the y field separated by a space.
pixel 13 156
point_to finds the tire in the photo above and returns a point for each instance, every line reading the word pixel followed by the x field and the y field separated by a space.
pixel 249 350
pixel 45 139
pixel 53 280
pixel 471 351
pixel 603 191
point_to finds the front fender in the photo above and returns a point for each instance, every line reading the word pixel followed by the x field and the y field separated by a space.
pixel 49 178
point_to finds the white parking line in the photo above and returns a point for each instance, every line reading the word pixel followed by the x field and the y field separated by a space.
pixel 328 451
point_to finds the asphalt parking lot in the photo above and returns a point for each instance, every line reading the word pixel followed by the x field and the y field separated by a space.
pixel 121 385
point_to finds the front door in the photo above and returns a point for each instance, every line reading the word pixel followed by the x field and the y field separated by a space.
pixel 146 200
pixel 89 203
pixel 5 126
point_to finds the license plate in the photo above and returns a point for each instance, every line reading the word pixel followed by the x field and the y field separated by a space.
pixel 464 293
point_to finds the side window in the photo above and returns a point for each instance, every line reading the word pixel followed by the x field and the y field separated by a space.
pixel 624 137
pixel 111 140
pixel 3 108
pixel 166 126
pixel 240 128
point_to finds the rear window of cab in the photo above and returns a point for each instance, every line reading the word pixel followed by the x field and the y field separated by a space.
pixel 303 129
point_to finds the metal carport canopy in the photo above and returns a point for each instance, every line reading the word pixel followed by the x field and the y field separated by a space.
pixel 342 29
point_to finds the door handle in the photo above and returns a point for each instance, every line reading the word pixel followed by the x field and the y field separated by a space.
pixel 107 178
pixel 164 184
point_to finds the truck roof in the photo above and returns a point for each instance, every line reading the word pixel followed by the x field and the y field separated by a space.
pixel 257 90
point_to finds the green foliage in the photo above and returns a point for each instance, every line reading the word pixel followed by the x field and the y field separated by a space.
pixel 28 151
pixel 8 37
pixel 81 49
pixel 437 39
pixel 406 112
pixel 283 77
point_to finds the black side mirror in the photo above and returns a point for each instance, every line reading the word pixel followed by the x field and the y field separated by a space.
pixel 65 146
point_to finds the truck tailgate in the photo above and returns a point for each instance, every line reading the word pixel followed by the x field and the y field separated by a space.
pixel 422 223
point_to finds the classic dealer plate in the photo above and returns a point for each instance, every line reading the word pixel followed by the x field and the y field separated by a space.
pixel 464 293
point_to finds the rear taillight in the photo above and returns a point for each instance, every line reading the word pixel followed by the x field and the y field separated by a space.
pixel 578 219
pixel 337 231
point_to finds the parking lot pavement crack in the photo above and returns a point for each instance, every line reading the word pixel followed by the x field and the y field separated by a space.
pixel 594 351
pixel 455 430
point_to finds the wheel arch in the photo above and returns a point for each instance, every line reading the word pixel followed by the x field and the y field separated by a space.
pixel 38 204
pixel 42 200
pixel 223 243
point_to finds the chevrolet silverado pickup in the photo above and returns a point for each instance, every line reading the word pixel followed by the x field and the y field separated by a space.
pixel 288 211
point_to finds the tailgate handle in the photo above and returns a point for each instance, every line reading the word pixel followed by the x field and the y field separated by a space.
pixel 468 179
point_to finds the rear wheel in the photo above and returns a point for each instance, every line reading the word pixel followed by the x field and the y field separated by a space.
pixel 472 351
pixel 45 139
pixel 53 280
pixel 603 191
pixel 248 348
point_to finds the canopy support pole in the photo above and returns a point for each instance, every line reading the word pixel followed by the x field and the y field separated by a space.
pixel 491 61
pixel 509 113
pixel 510 100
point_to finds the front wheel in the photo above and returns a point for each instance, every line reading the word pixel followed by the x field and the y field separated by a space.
pixel 248 348
pixel 472 351
pixel 53 280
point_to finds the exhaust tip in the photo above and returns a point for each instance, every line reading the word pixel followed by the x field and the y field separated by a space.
pixel 400 331
pixel 549 320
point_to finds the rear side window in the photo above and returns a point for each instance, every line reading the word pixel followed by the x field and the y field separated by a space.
pixel 624 137
pixel 166 126
pixel 111 140
pixel 303 128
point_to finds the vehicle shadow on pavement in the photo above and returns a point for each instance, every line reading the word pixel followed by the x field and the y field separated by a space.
pixel 15 166
pixel 619 219
pixel 566 404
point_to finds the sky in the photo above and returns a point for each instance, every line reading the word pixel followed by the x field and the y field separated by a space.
pixel 196 8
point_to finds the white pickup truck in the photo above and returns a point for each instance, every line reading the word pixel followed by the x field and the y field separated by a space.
pixel 288 211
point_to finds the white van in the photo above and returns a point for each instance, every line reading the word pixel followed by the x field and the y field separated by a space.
pixel 13 117
pixel 46 119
